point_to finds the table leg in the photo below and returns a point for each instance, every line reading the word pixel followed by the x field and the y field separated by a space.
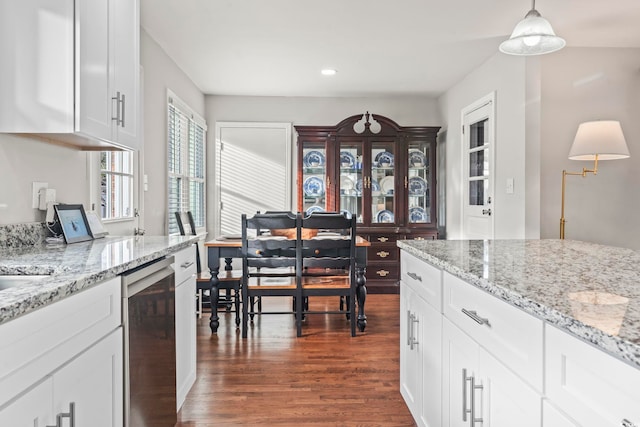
pixel 214 293
pixel 361 294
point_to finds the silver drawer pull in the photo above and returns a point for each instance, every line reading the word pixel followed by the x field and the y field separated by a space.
pixel 414 276
pixel 627 423
pixel 474 315
pixel 186 264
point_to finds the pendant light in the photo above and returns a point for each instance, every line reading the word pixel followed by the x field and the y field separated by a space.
pixel 532 36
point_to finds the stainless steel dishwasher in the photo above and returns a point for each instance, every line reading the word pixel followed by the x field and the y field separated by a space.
pixel 148 311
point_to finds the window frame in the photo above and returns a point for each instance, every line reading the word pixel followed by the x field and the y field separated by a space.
pixel 191 166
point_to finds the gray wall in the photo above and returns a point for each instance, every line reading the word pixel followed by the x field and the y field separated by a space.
pixel 578 85
pixel 160 73
pixel 24 160
pixel 306 111
pixel 506 75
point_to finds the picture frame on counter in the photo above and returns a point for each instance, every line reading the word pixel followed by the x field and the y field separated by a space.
pixel 74 223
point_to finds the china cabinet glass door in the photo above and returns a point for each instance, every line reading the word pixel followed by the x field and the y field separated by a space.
pixel 351 180
pixel 418 182
pixel 381 182
pixel 314 173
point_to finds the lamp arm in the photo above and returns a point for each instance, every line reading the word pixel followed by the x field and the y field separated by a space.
pixel 584 173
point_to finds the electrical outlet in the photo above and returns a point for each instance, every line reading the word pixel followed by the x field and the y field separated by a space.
pixel 35 194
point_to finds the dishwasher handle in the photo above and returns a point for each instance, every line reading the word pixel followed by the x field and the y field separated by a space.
pixel 141 278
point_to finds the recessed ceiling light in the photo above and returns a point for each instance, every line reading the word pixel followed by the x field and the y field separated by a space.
pixel 328 72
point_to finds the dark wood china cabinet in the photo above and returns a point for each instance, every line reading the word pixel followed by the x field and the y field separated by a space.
pixel 381 172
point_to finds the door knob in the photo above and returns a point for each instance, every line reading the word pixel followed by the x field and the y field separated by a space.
pixel 486 212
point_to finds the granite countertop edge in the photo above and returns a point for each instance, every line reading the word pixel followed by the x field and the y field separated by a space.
pixel 617 347
pixel 24 300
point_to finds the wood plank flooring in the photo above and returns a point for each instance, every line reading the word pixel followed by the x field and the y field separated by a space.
pixel 324 378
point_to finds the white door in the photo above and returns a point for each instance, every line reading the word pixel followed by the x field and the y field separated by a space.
pixel 478 153
pixel 253 171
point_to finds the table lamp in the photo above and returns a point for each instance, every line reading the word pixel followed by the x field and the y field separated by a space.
pixel 598 140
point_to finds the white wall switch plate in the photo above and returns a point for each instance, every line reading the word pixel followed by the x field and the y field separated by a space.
pixel 509 185
pixel 35 193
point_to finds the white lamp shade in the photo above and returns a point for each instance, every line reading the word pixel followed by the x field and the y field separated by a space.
pixel 603 137
pixel 532 36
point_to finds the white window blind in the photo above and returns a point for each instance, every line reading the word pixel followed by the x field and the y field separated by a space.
pixel 186 164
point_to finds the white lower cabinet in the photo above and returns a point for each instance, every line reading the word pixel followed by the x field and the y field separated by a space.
pixel 420 338
pixel 590 386
pixel 65 360
pixel 553 417
pixel 420 355
pixel 185 322
pixel 92 382
pixel 478 390
pixel 34 408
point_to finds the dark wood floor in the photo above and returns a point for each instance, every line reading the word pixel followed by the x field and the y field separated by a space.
pixel 325 378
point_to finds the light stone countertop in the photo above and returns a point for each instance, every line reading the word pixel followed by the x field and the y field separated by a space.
pixel 588 290
pixel 76 267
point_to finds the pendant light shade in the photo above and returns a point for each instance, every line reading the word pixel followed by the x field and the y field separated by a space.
pixel 532 36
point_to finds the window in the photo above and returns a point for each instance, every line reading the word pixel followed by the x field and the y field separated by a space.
pixel 186 133
pixel 116 184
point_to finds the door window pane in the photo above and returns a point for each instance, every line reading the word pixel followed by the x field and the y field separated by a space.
pixel 478 136
pixel 477 191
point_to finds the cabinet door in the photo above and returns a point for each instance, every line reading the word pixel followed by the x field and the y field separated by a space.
pixel 382 172
pixel 588 384
pixel 94 383
pixel 551 417
pixel 506 399
pixel 420 188
pixel 33 408
pixel 351 183
pixel 410 366
pixel 314 187
pixel 428 330
pixel 93 96
pixel 124 51
pixel 185 338
pixel 460 355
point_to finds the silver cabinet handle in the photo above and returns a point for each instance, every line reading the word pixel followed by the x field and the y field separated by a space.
pixel 414 276
pixel 186 265
pixel 474 315
pixel 465 411
pixel 626 423
pixel 471 411
pixel 414 341
pixel 409 327
pixel 71 415
pixel 117 99
pixel 122 120
pixel 473 419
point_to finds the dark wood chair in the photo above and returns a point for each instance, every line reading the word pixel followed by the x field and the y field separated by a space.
pixel 269 262
pixel 327 262
pixel 229 280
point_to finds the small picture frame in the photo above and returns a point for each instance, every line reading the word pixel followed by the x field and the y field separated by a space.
pixel 96 226
pixel 73 222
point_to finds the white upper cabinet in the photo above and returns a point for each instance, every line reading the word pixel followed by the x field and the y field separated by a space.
pixel 70 71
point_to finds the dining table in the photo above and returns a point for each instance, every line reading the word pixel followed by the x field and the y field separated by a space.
pixel 230 247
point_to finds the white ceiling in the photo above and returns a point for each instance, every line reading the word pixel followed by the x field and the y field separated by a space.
pixel 379 47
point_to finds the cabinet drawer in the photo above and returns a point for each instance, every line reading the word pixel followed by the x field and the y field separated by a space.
pixel 382 238
pixel 592 387
pixel 34 345
pixel 381 271
pixel 432 235
pixel 383 253
pixel 185 264
pixel 510 334
pixel 424 278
